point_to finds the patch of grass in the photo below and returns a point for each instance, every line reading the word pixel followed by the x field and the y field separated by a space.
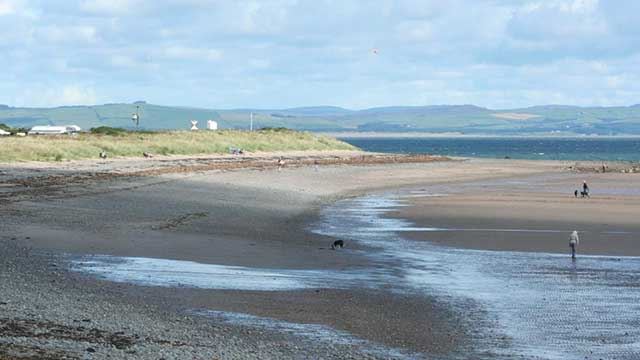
pixel 108 130
pixel 13 130
pixel 133 144
pixel 275 129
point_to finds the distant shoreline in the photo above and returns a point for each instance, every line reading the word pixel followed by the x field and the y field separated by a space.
pixel 418 135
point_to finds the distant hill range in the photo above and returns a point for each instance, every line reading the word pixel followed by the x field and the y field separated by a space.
pixel 465 119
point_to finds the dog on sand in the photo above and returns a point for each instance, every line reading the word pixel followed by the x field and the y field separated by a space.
pixel 337 244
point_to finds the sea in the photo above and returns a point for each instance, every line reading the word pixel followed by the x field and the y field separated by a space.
pixel 530 148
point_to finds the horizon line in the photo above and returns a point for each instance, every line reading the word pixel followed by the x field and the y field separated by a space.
pixel 140 102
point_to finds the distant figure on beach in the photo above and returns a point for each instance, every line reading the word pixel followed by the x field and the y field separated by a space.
pixel 315 165
pixel 585 189
pixel 573 242
pixel 575 193
pixel 280 163
pixel 103 154
pixel 337 244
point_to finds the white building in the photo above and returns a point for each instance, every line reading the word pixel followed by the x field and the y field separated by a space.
pixel 54 130
pixel 212 125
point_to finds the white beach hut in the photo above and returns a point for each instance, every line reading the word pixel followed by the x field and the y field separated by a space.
pixel 212 125
pixel 4 133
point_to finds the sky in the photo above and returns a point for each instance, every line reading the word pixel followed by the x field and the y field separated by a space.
pixel 223 54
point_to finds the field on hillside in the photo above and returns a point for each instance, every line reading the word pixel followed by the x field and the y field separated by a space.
pixel 467 119
pixel 88 146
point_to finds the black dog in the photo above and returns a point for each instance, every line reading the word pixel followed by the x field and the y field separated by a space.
pixel 337 243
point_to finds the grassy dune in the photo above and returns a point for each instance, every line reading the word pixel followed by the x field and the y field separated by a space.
pixel 88 146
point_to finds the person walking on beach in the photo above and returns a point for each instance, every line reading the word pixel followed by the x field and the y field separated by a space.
pixel 585 189
pixel 280 163
pixel 573 242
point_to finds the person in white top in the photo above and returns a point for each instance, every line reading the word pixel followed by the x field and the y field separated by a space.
pixel 574 239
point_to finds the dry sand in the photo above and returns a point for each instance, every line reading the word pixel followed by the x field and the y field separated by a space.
pixel 257 217
pixel 607 221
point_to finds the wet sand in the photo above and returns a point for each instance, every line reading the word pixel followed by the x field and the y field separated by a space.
pixel 255 218
pixel 497 215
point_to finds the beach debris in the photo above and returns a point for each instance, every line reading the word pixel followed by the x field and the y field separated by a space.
pixel 235 151
pixel 147 155
pixel 337 244
pixel 622 167
pixel 180 220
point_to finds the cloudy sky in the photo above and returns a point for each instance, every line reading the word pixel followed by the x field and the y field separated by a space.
pixel 286 53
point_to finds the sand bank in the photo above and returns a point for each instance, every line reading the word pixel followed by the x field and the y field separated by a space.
pixel 534 213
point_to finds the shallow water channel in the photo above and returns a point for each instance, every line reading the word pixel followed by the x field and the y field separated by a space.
pixel 546 305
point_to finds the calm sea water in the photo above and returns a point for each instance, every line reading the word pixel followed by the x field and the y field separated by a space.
pixel 624 149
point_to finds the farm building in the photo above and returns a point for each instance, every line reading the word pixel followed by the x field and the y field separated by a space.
pixel 54 130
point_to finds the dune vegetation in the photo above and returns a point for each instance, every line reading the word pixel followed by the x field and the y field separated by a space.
pixel 132 144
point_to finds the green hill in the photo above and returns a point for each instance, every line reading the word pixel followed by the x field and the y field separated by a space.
pixel 469 119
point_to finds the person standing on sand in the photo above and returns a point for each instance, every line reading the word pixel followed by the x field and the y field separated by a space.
pixel 280 163
pixel 573 242
pixel 585 188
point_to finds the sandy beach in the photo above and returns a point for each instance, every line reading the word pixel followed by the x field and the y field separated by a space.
pixel 607 220
pixel 258 218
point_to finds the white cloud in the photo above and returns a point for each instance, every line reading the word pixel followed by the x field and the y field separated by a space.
pixel 76 95
pixel 6 8
pixel 16 8
pixel 556 21
pixel 420 31
pixel 41 95
pixel 273 53
pixel 259 63
pixel 110 7
pixel 123 61
pixel 190 53
pixel 64 33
